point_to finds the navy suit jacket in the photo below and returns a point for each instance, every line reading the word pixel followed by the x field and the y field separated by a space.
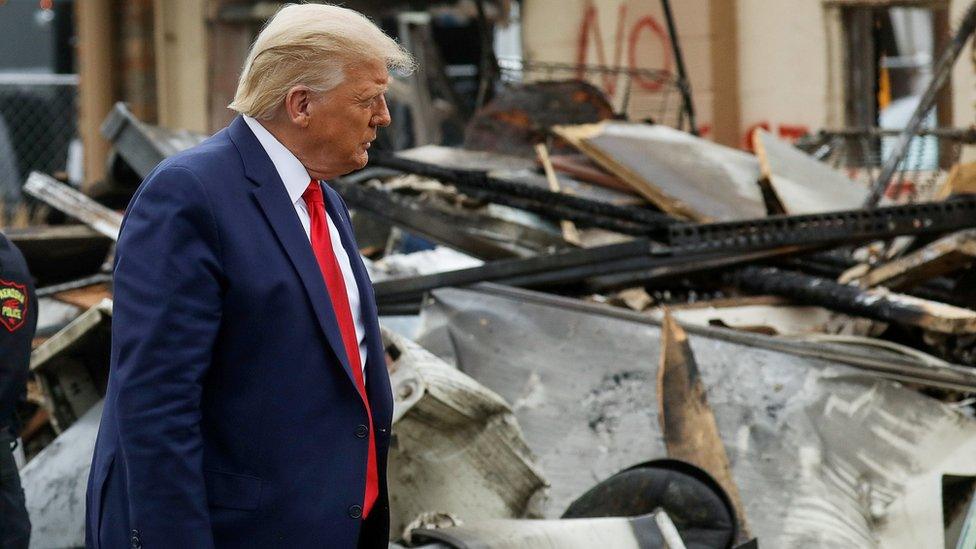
pixel 231 416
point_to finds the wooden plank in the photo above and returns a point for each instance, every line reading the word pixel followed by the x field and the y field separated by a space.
pixel 85 298
pixel 97 75
pixel 685 176
pixel 181 69
pixel 570 234
pixel 961 180
pixel 803 184
pixel 686 419
pixel 948 254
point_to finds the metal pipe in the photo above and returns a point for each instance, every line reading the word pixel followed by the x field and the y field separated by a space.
pixel 684 85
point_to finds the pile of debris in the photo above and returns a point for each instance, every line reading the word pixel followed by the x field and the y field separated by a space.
pixel 644 339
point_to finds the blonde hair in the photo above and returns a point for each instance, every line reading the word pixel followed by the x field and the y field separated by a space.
pixel 309 44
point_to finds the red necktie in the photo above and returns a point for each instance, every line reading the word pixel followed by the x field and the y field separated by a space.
pixel 325 254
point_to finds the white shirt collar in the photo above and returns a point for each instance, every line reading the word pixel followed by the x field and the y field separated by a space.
pixel 293 174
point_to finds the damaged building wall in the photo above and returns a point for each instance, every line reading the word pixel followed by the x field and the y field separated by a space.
pixel 628 34
pixel 773 89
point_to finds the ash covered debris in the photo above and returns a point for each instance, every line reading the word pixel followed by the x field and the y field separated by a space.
pixel 598 323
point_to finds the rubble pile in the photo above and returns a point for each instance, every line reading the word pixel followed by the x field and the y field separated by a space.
pixel 601 329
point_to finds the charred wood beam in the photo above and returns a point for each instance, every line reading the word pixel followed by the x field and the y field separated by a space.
pixel 871 303
pixel 824 229
pixel 478 184
pixel 480 236
pixel 405 289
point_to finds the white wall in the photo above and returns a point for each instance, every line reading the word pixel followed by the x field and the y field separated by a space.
pixel 627 33
pixel 790 55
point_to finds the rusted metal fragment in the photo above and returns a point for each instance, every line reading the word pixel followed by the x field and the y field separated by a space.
pixel 683 175
pixel 938 258
pixel 520 115
pixel 75 204
pixel 457 445
pixel 803 184
pixel 877 303
pixel 687 421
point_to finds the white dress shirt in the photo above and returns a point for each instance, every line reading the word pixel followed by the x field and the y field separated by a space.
pixel 296 179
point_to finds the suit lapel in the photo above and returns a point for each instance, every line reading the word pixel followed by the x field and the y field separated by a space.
pixel 271 196
pixel 376 357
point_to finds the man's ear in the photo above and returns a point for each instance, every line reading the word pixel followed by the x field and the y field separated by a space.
pixel 297 105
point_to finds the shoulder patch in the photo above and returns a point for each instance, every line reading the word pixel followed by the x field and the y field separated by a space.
pixel 13 305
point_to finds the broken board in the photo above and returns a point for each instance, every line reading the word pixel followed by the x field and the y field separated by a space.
pixel 938 258
pixel 684 175
pixel 687 421
pixel 803 184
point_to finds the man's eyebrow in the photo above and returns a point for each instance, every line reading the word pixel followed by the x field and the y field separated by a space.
pixel 372 92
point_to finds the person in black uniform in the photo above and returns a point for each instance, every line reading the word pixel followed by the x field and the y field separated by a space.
pixel 18 321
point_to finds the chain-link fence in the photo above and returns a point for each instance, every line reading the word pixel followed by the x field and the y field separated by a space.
pixel 38 122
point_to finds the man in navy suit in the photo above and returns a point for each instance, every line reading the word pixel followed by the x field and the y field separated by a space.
pixel 248 402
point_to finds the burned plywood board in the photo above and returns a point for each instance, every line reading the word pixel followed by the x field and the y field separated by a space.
pixel 458 448
pixel 684 175
pixel 581 378
pixel 520 114
pixel 58 253
pixel 803 184
pixel 938 258
pixel 513 168
pixel 75 204
pixel 56 481
pixel 72 366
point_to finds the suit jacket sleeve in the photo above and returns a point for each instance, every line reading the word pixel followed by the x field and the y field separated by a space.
pixel 167 311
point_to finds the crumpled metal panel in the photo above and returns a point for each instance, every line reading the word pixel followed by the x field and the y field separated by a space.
pixel 55 483
pixel 824 455
pixel 456 445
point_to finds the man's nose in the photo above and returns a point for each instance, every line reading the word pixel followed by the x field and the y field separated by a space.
pixel 381 117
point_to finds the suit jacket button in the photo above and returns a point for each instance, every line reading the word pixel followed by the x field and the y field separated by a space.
pixel 355 511
pixel 362 431
pixel 135 540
